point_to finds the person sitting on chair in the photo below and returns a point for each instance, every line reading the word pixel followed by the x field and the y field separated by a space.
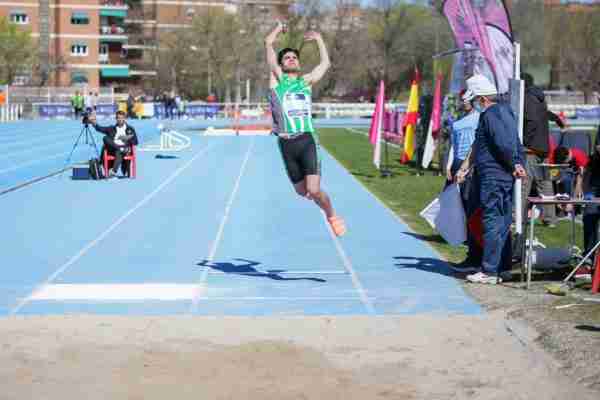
pixel 578 161
pixel 118 140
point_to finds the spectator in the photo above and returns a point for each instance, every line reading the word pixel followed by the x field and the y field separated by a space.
pixel 87 100
pixel 578 161
pixel 118 140
pixel 536 142
pixel 498 158
pixel 462 137
pixel 95 101
pixel 77 103
pixel 591 213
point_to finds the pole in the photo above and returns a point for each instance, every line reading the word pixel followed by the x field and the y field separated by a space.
pixel 518 182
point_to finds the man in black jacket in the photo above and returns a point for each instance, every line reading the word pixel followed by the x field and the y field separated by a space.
pixel 536 142
pixel 118 139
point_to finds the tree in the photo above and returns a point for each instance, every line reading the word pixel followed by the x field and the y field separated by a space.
pixel 581 36
pixel 16 51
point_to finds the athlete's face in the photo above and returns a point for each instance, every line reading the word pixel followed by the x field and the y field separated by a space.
pixel 290 62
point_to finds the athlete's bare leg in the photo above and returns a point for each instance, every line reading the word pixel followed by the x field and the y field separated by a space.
pixel 310 188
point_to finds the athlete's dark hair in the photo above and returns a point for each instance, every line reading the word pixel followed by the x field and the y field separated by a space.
pixel 282 53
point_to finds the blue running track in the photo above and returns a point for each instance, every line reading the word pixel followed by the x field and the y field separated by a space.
pixel 214 230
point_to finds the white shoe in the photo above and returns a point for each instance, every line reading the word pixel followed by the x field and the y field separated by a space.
pixel 481 277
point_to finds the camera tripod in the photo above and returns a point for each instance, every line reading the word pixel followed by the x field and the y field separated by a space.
pixel 88 138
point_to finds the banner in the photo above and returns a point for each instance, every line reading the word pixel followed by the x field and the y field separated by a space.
pixel 483 32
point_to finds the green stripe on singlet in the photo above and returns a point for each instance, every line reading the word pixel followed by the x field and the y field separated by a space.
pixel 295 100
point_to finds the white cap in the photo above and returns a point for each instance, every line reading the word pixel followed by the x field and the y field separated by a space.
pixel 481 86
pixel 468 95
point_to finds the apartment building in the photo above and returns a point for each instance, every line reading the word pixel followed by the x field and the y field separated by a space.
pixel 111 42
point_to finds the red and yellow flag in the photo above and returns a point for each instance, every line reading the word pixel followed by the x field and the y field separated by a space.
pixel 410 120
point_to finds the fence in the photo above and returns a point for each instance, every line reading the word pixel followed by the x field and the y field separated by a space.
pixel 50 95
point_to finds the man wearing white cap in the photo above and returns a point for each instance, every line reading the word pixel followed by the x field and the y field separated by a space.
pixel 498 158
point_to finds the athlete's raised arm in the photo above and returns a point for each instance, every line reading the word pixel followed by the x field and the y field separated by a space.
pixel 316 74
pixel 271 55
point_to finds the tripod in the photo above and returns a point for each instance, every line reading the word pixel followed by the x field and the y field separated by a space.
pixel 88 138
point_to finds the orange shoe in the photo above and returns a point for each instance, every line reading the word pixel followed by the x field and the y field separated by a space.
pixel 338 225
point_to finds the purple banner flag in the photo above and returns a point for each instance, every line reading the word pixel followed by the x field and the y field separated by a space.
pixel 482 29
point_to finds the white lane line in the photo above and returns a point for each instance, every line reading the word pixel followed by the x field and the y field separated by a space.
pixel 32 162
pixel 348 265
pixel 367 134
pixel 32 150
pixel 115 292
pixel 215 243
pixel 111 228
pixel 121 292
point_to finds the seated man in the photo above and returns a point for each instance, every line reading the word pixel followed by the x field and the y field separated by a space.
pixel 591 213
pixel 118 140
pixel 577 160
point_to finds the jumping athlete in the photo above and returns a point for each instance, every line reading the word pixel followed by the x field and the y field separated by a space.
pixel 290 98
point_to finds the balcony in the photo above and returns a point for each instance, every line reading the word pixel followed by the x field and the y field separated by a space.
pixel 112 33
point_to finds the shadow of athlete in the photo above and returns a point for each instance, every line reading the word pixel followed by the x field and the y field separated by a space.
pixel 291 106
pixel 249 270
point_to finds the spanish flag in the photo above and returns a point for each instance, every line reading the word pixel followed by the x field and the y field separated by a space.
pixel 410 120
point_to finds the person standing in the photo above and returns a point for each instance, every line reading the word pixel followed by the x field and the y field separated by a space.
pixel 536 139
pixel 291 101
pixel 462 136
pixel 498 158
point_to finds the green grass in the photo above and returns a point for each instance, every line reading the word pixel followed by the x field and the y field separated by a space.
pixel 407 194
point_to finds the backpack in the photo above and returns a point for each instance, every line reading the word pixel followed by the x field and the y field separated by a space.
pixel 95 169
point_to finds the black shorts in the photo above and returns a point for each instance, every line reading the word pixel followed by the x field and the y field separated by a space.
pixel 300 156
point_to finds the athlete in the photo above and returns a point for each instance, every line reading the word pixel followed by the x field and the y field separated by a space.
pixel 290 98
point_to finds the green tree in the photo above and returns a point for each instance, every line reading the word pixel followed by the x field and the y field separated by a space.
pixel 17 53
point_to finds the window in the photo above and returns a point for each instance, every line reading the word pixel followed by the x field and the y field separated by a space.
pixel 79 50
pixel 19 17
pixel 80 18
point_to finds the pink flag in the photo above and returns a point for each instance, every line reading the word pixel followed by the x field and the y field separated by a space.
pixel 436 112
pixel 376 125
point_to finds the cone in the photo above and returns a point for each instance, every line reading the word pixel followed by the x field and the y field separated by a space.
pixel 596 279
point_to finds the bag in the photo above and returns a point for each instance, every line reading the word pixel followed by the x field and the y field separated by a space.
pixel 95 170
pixel 451 221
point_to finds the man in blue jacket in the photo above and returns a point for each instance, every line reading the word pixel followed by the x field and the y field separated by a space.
pixel 498 158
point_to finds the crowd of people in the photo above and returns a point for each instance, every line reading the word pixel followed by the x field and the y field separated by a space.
pixel 485 156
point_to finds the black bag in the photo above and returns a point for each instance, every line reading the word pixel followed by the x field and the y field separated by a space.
pixel 95 169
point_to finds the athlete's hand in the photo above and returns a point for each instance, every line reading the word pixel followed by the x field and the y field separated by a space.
pixel 312 35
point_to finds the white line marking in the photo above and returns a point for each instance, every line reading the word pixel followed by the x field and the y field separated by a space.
pixel 367 134
pixel 348 265
pixel 116 292
pixel 282 298
pixel 28 163
pixel 104 234
pixel 215 243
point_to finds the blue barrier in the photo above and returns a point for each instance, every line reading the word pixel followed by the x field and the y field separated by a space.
pixel 587 113
pixel 55 111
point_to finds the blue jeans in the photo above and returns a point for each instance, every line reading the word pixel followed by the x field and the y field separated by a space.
pixel 497 204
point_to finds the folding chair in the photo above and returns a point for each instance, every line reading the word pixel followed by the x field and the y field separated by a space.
pixel 129 158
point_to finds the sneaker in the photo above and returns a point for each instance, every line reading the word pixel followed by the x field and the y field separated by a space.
pixel 337 225
pixel 111 174
pixel 484 278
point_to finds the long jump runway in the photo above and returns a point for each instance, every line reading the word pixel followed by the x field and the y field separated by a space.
pixel 216 230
